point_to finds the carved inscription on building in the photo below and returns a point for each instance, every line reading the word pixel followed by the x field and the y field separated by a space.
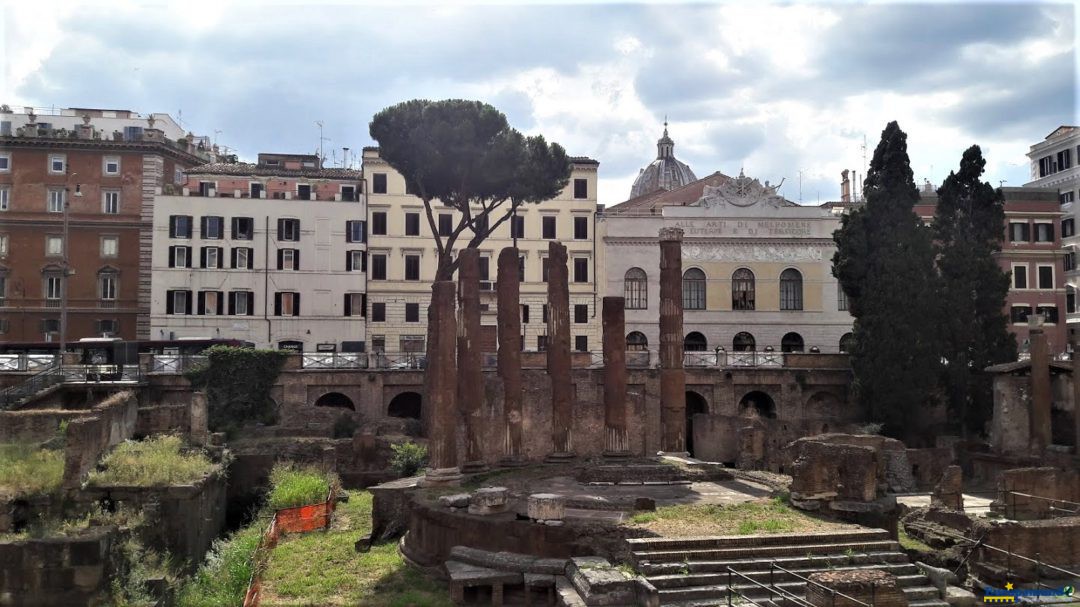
pixel 745 227
pixel 752 252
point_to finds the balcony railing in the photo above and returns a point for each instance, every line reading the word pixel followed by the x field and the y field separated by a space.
pixel 31 363
pixel 334 360
pixel 400 361
pixel 175 363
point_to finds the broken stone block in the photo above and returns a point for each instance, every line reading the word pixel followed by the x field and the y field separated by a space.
pixel 488 500
pixel 949 492
pixel 958 597
pixel 546 506
pixel 457 500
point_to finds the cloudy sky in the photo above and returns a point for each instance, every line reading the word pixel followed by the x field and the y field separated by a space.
pixel 775 89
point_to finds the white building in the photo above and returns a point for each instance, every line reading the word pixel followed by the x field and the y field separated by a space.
pixel 273 253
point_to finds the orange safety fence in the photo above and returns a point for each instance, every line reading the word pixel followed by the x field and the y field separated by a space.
pixel 300 519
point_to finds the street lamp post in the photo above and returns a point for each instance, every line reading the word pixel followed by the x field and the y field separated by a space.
pixel 65 272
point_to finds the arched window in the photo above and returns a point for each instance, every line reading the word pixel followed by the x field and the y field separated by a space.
pixel 790 290
pixel 693 289
pixel 742 290
pixel 792 342
pixel 637 341
pixel 743 342
pixel 847 343
pixel 695 342
pixel 636 289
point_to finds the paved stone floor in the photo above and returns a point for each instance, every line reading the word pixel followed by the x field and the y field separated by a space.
pixel 977 504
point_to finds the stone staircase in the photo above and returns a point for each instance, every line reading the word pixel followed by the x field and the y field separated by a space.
pixel 692 572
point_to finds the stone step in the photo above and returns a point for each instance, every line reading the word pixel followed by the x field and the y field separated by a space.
pixel 906 573
pixel 928 603
pixel 659 556
pixel 565 593
pixel 653 544
pixel 751 591
pixel 787 562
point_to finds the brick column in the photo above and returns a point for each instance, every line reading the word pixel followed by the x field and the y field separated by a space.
pixel 558 353
pixel 441 380
pixel 509 319
pixel 672 375
pixel 617 443
pixel 1041 394
pixel 470 385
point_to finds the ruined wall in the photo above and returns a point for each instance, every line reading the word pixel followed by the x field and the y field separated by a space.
pixel 822 470
pixel 34 425
pixel 927 465
pixel 110 423
pixel 1049 483
pixel 56 571
pixel 1055 541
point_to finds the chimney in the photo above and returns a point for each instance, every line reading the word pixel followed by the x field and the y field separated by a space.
pixel 845 187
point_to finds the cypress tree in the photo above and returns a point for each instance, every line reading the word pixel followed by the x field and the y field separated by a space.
pixel 968 227
pixel 885 264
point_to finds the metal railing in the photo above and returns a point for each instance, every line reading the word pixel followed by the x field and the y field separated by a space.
pixel 334 360
pixel 175 363
pixel 14 363
pixel 101 374
pixel 402 361
pixel 9 397
pixel 1009 499
pixel 786 597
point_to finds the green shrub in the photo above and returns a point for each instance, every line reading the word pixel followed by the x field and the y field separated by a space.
pixel 153 462
pixel 291 486
pixel 344 426
pixel 237 382
pixel 28 470
pixel 222 579
pixel 409 458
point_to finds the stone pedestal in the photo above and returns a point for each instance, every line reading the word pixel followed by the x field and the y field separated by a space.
pixel 1041 392
pixel 441 380
pixel 672 375
pixel 949 492
pixel 470 386
pixel 199 431
pixel 558 354
pixel 488 500
pixel 546 507
pixel 617 443
pixel 865 586
pixel 509 327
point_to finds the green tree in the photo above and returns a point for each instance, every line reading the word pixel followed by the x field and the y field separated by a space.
pixel 885 264
pixel 237 382
pixel 968 227
pixel 463 155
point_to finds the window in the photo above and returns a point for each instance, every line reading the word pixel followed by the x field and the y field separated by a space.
pixel 107 287
pixel 378 311
pixel 57 163
pixel 1019 232
pixel 54 246
pixel 348 193
pixel 303 191
pixel 213 228
pixel 179 256
pixel 210 257
pixel 110 202
pixel 636 289
pixel 205 187
pixel 50 325
pixel 847 343
pixel 289 230
pixel 1070 261
pixel 53 290
pixel 1046 166
pixel 111 165
pixel 581 228
pixel 412 267
pixel 378 223
pixel 547 223
pixel 5 162
pixel 521 268
pixel 695 342
pixel 743 342
pixel 110 246
pixel 378 267
pixel 581 343
pixel 242 258
pixel 178 302
pixel 3 245
pixel 1064 159
pixel 1068 227
pixel 485 268
pixel 1066 197
pixel 693 289
pixel 378 183
pixel 791 290
pixel 446 224
pixel 412 224
pixel 1044 232
pixel 1046 277
pixel 581 269
pixel 288 259
pixel 841 298
pixel 637 342
pixel 5 199
pixel 1020 314
pixel 742 290
pixel 1048 313
pixel 211 303
pixel 286 303
pixel 354 231
pixel 378 343
pixel 1019 274
pixel 56 200
pixel 179 226
pixel 541 343
pixel 412 312
pixel 243 228
pixel 1070 298
pixel 356 261
pixel 545 269
pixel 255 189
pixel 525 314
pixel 356 304
pixel 581 313
pixel 517 227
pixel 241 303
pixel 581 188
pixel 108 326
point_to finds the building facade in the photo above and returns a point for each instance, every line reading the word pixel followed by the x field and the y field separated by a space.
pixel 76 199
pixel 403 260
pixel 756 268
pixel 274 253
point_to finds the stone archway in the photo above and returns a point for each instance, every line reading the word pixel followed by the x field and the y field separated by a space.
pixel 407 405
pixel 822 406
pixel 695 403
pixel 335 399
pixel 758 403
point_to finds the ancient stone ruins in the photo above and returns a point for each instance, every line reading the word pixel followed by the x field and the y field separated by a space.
pixel 556 478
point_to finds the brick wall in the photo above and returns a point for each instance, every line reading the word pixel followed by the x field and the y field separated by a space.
pixel 57 571
pixel 110 423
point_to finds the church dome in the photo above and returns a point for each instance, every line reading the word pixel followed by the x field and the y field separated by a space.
pixel 664 173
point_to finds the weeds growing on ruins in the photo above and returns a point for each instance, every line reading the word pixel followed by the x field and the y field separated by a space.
pixel 27 470
pixel 154 462
pixel 296 486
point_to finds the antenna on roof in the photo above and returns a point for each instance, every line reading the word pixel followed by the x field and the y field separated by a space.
pixel 321 140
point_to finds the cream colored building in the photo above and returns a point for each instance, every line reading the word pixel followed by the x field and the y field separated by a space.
pixel 403 260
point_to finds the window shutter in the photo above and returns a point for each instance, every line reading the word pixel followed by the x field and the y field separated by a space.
pixel 188 249
pixel 277 304
pixel 172 226
pixel 363 231
pixel 297 228
pixel 348 231
pixel 280 259
pixel 280 230
pixel 220 304
pixel 232 303
pixel 235 227
pixel 202 303
pixel 202 257
pixel 250 303
pixel 203 222
pixel 296 304
pixel 169 302
pixel 348 263
pixel 220 256
pixel 363 261
pixel 187 297
pixel 232 255
pixel 251 258
pixel 172 257
pixel 348 305
pixel 363 305
pixel 296 259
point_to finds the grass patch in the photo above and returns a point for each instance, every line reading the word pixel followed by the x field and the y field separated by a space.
pixel 325 569
pixel 761 516
pixel 26 470
pixel 910 543
pixel 154 462
pixel 222 579
pixel 293 486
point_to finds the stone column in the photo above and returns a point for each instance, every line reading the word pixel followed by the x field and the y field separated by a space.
pixel 1041 393
pixel 558 353
pixel 197 427
pixel 672 375
pixel 470 385
pixel 441 376
pixel 617 444
pixel 509 318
